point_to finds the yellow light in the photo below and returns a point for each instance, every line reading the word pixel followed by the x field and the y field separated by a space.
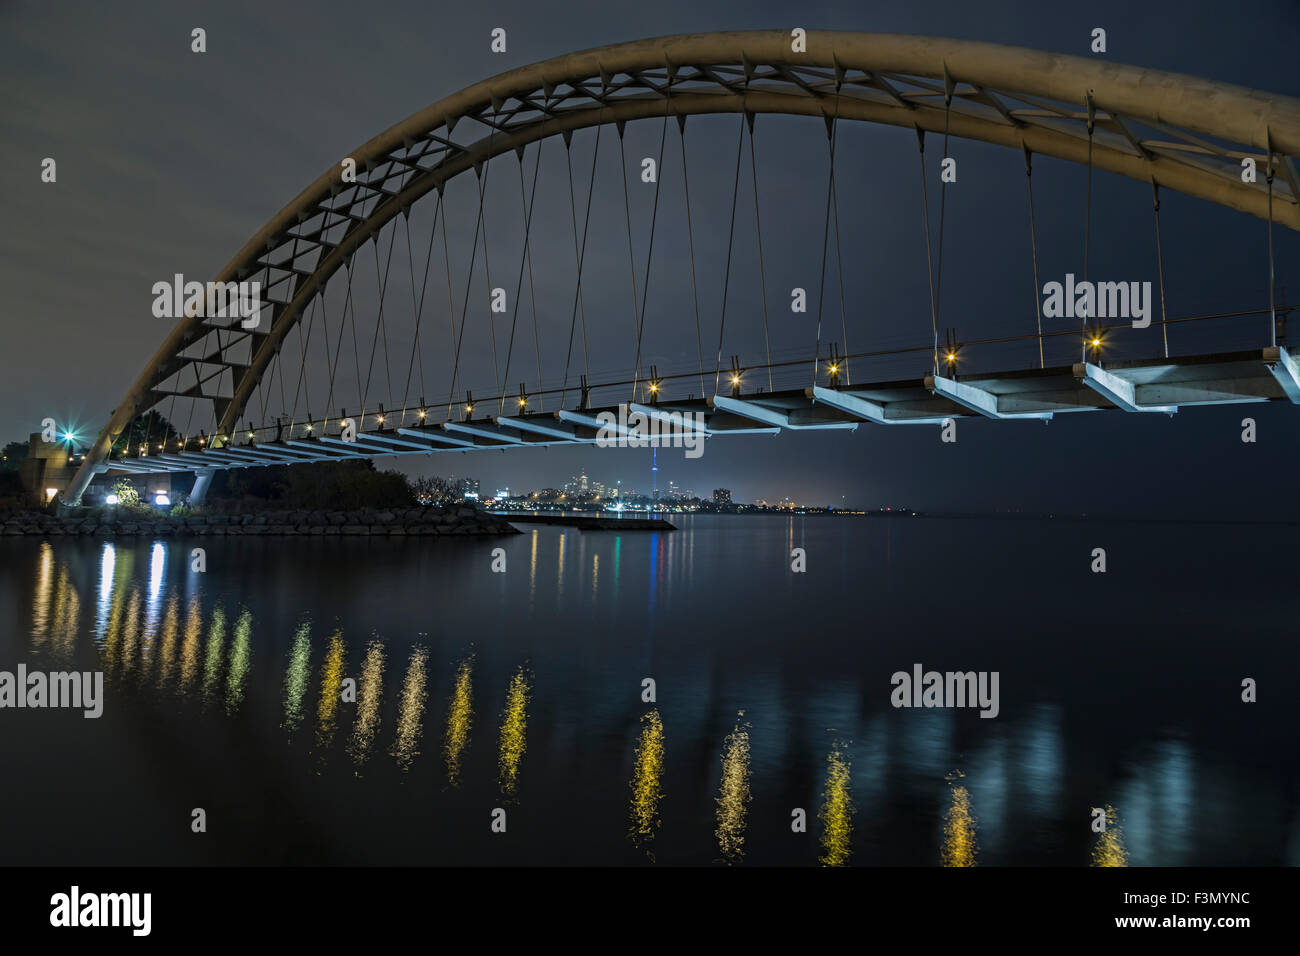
pixel 735 380
pixel 310 428
pixel 469 409
pixel 50 493
pixel 654 386
pixel 834 369
pixel 952 356
pixel 1096 343
pixel 422 413
pixel 251 435
pixel 203 441
pixel 522 401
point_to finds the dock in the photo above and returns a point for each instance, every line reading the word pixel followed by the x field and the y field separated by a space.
pixel 589 522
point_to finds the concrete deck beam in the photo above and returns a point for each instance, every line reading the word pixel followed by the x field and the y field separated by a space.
pixel 867 410
pixel 356 446
pixel 1120 392
pixel 493 433
pixel 1285 369
pixel 393 440
pixel 976 399
pixel 770 416
pixel 566 434
pixel 450 442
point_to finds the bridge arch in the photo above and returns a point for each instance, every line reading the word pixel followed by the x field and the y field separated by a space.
pixel 1068 107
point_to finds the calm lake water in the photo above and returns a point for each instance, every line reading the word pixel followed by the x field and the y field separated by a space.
pixel 522 692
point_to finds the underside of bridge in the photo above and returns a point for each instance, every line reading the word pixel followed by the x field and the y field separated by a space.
pixel 1150 386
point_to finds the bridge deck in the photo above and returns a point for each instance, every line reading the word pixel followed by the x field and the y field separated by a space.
pixel 1148 385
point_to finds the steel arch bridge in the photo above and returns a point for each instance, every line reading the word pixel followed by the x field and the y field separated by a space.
pixel 1176 132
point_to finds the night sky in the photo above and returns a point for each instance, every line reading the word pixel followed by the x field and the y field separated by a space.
pixel 168 161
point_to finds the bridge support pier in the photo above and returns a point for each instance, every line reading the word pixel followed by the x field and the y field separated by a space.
pixel 202 478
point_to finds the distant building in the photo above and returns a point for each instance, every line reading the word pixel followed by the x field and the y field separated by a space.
pixel 467 488
pixel 722 497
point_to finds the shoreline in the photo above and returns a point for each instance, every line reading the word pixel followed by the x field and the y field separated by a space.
pixel 301 522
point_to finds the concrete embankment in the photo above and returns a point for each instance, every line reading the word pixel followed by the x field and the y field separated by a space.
pixel 105 522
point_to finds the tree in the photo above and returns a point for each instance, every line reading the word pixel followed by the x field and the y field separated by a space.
pixel 336 486
pixel 149 428
pixel 12 454
pixel 432 489
pixel 127 497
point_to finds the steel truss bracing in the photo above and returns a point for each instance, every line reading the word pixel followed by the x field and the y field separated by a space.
pixel 1179 132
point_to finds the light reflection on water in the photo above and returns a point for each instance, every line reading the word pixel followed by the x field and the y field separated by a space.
pixel 460 715
pixel 837 811
pixel 369 691
pixel 734 795
pixel 514 732
pixel 959 826
pixel 235 642
pixel 647 782
pixel 410 717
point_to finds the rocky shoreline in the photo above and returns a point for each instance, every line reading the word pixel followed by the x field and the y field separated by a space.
pixel 430 520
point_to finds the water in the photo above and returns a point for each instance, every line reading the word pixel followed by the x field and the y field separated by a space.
pixel 515 699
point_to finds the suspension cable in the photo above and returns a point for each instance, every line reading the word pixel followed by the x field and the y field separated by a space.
pixel 731 236
pixel 1087 233
pixel 943 202
pixel 580 254
pixel 332 366
pixel 532 284
pixel 451 296
pixel 487 279
pixel 1033 245
pixel 654 218
pixel 419 306
pixel 839 270
pixel 523 258
pixel 831 129
pixel 469 282
pixel 690 242
pixel 762 271
pixel 1272 283
pixel 302 367
pixel 380 328
pixel 1160 267
pixel 929 263
pixel 351 308
pixel 627 218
